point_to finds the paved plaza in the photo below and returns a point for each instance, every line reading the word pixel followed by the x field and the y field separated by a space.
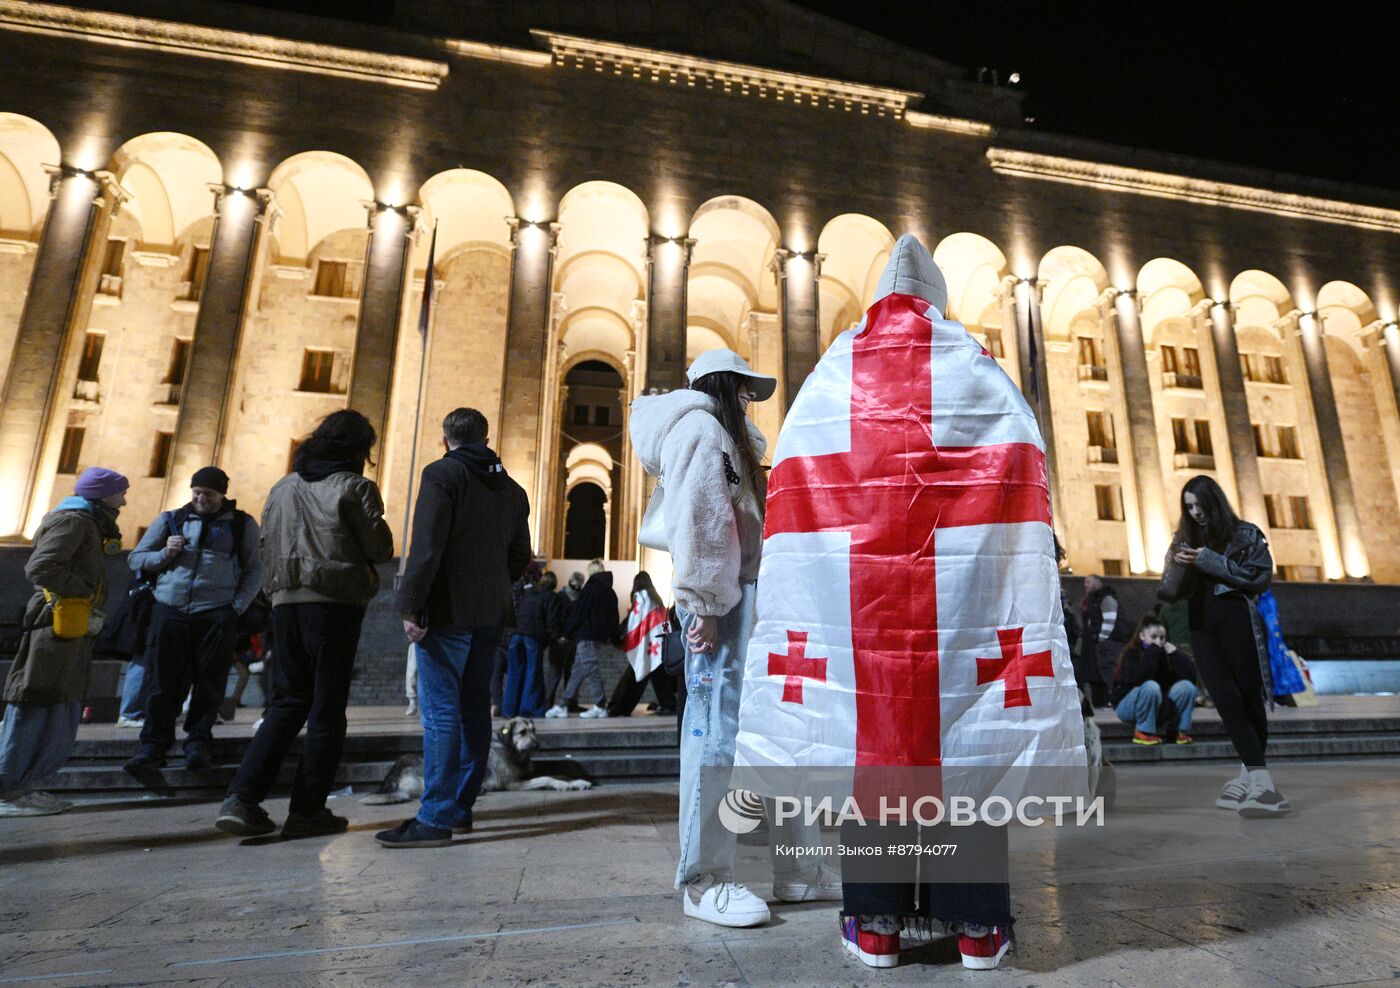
pixel 575 889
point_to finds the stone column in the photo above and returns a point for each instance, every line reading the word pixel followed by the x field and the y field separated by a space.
pixel 1030 349
pixel 1238 427
pixel 520 422
pixel 1386 384
pixel 1390 341
pixel 668 270
pixel 218 330
pixel 798 274
pixel 1142 430
pixel 550 381
pixel 33 398
pixel 1334 456
pixel 381 303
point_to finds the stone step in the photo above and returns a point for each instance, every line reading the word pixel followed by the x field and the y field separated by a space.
pixel 1286 746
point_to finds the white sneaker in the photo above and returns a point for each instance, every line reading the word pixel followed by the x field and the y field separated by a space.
pixel 412 710
pixel 557 711
pixel 130 722
pixel 1263 801
pixel 27 805
pixel 812 888
pixel 594 712
pixel 1233 794
pixel 723 903
pixel 257 667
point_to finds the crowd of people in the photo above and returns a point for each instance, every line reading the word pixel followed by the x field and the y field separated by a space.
pixel 488 629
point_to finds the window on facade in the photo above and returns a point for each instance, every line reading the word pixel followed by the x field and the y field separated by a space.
pixel 602 415
pixel 1108 499
pixel 1179 436
pixel 1090 351
pixel 1301 514
pixel 1100 429
pixel 199 267
pixel 335 279
pixel 994 344
pixel 1273 508
pixel 1274 370
pixel 581 414
pixel 160 454
pixel 1263 368
pixel 1203 444
pixel 72 449
pixel 1114 567
pixel 92 356
pixel 110 281
pixel 1191 361
pixel 323 372
pixel 292 453
pixel 179 361
pixel 1288 442
pixel 1170 364
pixel 1276 441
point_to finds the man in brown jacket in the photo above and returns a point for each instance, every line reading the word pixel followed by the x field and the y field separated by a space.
pixel 46 684
pixel 323 533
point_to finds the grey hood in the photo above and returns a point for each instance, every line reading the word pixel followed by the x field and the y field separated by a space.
pixel 655 417
pixel 912 271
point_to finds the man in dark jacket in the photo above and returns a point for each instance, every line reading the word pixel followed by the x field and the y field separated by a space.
pixel 205 563
pixel 560 658
pixel 592 624
pixel 1101 638
pixel 323 534
pixel 471 539
pixel 538 619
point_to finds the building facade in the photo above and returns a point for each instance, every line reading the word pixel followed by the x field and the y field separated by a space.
pixel 212 234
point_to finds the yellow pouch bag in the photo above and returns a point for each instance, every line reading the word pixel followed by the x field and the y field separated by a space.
pixel 71 615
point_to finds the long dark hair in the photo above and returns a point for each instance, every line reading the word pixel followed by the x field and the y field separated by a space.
pixel 1221 519
pixel 723 387
pixel 341 436
pixel 641 583
pixel 1134 646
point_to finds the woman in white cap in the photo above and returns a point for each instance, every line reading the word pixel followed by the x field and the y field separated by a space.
pixel 708 455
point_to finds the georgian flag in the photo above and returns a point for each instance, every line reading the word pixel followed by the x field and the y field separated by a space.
pixel 646 627
pixel 908 599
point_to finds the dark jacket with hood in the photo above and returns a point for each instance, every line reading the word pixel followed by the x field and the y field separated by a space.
pixel 539 614
pixel 471 540
pixel 593 617
pixel 1244 569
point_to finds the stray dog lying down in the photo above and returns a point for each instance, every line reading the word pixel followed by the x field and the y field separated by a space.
pixel 509 767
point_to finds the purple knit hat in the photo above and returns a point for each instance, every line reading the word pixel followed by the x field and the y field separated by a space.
pixel 95 483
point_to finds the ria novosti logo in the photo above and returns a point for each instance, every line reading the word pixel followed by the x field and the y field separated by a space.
pixel 741 811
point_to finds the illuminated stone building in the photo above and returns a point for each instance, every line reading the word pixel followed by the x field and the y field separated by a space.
pixel 215 225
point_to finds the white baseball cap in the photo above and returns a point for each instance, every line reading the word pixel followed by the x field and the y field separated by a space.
pixel 713 361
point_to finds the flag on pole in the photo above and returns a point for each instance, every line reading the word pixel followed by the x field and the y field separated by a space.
pixel 425 310
pixel 908 599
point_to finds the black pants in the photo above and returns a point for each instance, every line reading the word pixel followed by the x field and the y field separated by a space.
pixel 982 854
pixel 310 685
pixel 559 660
pixel 1227 661
pixel 629 691
pixel 187 650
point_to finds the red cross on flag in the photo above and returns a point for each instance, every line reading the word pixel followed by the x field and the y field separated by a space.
pixel 646 629
pixel 908 548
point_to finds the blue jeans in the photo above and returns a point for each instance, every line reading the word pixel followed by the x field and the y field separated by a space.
pixel 454 699
pixel 714 683
pixel 135 688
pixel 523 695
pixel 1140 706
pixel 35 740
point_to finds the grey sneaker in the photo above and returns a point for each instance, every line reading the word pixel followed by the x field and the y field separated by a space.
pixel 48 803
pixel 1263 802
pixel 244 819
pixel 1232 794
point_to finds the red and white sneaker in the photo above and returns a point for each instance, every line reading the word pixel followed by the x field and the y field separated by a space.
pixel 983 947
pixel 875 941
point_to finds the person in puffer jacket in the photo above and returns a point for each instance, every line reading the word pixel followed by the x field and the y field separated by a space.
pixel 323 534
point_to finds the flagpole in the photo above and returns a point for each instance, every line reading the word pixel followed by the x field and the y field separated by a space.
pixel 425 317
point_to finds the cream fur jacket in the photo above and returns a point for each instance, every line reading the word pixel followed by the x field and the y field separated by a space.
pixel 714 521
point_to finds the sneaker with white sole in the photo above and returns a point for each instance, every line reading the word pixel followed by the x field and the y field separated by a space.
pixel 1263 801
pixel 32 804
pixel 875 941
pixel 412 709
pixel 594 712
pixel 982 947
pixel 1233 794
pixel 557 711
pixel 723 903
pixel 811 888
pixel 130 722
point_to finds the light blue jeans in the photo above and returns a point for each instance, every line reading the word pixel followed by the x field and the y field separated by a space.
pixel 714 683
pixel 135 688
pixel 35 740
pixel 1140 706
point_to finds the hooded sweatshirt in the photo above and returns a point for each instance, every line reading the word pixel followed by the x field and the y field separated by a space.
pixel 714 520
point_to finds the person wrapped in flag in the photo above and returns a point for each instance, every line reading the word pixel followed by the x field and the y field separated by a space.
pixel 909 618
pixel 643 635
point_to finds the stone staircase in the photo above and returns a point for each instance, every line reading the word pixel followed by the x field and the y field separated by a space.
pixel 643 749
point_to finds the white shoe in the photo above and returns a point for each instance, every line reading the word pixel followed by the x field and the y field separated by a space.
pixel 130 722
pixel 594 712
pixel 28 805
pixel 557 711
pixel 723 903
pixel 820 888
pixel 257 724
pixel 1263 801
pixel 412 710
pixel 1233 794
pixel 256 667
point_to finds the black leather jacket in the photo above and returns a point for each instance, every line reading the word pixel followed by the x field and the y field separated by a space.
pixel 1244 569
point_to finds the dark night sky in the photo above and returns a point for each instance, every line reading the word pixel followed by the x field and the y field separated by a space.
pixel 1307 89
